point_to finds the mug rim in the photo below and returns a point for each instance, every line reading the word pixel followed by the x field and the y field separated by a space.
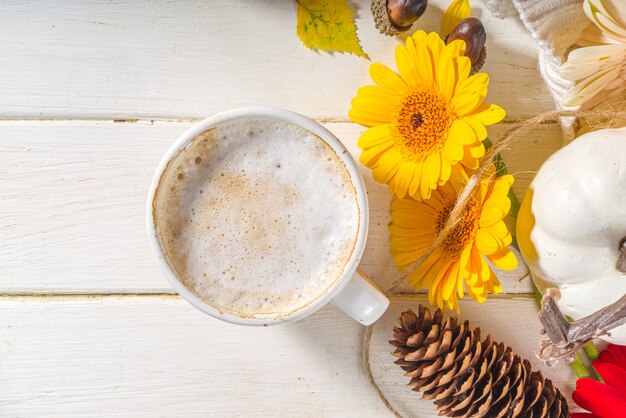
pixel 273 114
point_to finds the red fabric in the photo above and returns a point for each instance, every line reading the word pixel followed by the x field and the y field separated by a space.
pixel 604 400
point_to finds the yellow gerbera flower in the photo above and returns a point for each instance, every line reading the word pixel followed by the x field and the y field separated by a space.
pixel 460 259
pixel 427 119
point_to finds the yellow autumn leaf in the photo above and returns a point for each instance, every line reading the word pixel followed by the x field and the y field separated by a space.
pixel 328 25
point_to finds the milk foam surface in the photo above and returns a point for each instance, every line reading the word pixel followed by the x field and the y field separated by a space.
pixel 257 217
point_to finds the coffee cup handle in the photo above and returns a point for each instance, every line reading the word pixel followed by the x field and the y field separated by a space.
pixel 361 299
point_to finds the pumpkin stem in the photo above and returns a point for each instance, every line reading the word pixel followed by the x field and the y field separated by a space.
pixel 621 260
pixel 565 338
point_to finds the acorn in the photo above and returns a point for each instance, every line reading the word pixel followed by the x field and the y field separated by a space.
pixel 472 31
pixel 392 17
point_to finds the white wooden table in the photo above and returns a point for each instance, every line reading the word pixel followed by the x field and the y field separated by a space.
pixel 92 93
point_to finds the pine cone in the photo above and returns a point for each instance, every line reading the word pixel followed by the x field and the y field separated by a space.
pixel 469 378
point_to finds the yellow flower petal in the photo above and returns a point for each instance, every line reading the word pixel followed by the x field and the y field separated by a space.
pixel 414 187
pixel 377 101
pixel 404 259
pixel 464 261
pixel 403 178
pixel 504 259
pixel 453 151
pixel 501 232
pixel 435 44
pixel 362 114
pixel 477 126
pixel 425 209
pixel 426 67
pixel 420 37
pixel 386 78
pixel 411 47
pixel 500 186
pixel 450 284
pixel 386 167
pixel 488 114
pixel 455 48
pixel 435 294
pixel 459 173
pixel 475 268
pixel 464 67
pixel 462 133
pixel 446 168
pixel 500 190
pixel 469 162
pixel 446 76
pixel 485 273
pixel 477 151
pixel 413 243
pixel 406 67
pixel 374 136
pixel 492 239
pixel 493 285
pixel 491 215
pixel 459 284
pixel 478 83
pixel 432 169
pixel 424 184
pixel 423 275
pixel 478 293
pixel 466 103
pixel 487 243
pixel 457 11
pixel 369 155
pixel 406 224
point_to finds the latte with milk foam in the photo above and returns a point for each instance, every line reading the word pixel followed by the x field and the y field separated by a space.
pixel 257 217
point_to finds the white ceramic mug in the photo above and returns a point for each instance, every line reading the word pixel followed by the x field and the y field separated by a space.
pixel 352 292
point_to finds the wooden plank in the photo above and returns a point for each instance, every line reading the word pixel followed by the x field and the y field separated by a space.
pixel 73 197
pixel 160 357
pixel 157 356
pixel 512 321
pixel 163 59
pixel 528 152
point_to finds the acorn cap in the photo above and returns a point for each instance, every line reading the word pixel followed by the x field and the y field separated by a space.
pixel 480 62
pixel 393 17
pixel 381 19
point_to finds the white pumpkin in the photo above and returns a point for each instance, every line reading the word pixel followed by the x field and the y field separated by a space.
pixel 572 221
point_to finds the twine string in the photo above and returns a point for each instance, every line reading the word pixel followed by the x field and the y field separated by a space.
pixel 463 200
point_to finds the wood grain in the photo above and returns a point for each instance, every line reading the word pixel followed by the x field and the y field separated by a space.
pixel 159 357
pixel 74 193
pixel 166 59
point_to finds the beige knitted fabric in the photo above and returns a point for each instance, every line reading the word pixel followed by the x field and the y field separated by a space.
pixel 556 25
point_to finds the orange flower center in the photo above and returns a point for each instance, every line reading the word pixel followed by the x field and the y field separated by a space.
pixel 463 232
pixel 423 122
